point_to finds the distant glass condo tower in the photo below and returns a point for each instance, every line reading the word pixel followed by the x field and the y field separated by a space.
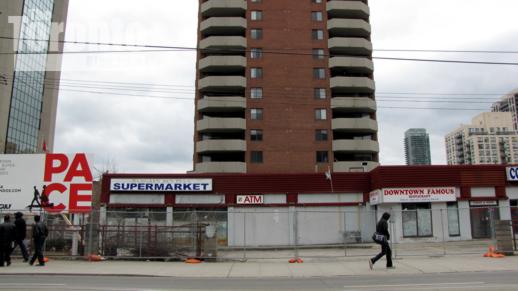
pixel 29 77
pixel 417 147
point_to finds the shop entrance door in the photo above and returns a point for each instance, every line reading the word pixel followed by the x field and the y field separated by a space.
pixel 481 221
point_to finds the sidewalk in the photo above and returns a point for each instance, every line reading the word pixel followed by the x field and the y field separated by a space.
pixel 269 269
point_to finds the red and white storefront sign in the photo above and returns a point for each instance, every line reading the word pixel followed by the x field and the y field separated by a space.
pixel 250 199
pixel 413 195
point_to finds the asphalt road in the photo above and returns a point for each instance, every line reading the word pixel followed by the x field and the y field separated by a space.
pixel 443 281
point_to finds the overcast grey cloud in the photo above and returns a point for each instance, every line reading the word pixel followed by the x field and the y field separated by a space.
pixel 142 134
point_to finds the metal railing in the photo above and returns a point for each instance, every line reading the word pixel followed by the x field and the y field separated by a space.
pixel 264 233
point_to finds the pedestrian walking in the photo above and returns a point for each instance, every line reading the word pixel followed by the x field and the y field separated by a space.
pixel 6 241
pixel 381 237
pixel 39 234
pixel 20 228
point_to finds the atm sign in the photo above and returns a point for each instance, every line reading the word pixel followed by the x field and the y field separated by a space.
pixel 250 199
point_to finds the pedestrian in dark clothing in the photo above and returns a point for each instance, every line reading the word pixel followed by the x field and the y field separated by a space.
pixel 6 241
pixel 381 237
pixel 20 233
pixel 39 234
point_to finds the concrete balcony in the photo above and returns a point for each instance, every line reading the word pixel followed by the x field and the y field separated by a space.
pixel 221 167
pixel 216 82
pixel 348 9
pixel 222 64
pixel 221 8
pixel 370 146
pixel 223 26
pixel 348 28
pixel 224 42
pixel 354 166
pixel 221 145
pixel 221 104
pixel 356 64
pixel 350 45
pixel 352 84
pixel 218 124
pixel 364 124
pixel 357 103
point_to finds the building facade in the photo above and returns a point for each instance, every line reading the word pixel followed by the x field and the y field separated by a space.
pixel 489 139
pixel 428 203
pixel 508 104
pixel 417 147
pixel 29 77
pixel 284 86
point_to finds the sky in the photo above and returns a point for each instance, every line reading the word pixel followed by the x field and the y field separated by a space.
pixel 99 114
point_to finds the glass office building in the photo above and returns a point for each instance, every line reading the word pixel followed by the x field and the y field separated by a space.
pixel 28 124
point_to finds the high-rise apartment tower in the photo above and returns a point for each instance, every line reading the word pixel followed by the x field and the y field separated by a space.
pixel 489 139
pixel 29 75
pixel 417 147
pixel 508 103
pixel 284 86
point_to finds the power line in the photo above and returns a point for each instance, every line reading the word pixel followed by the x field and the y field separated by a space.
pixel 185 87
pixel 264 51
pixel 448 51
pixel 287 103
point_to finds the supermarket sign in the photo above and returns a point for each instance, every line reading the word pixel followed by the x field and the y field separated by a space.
pixel 57 183
pixel 161 185
pixel 413 195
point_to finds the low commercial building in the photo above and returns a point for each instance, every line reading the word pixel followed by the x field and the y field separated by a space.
pixel 428 203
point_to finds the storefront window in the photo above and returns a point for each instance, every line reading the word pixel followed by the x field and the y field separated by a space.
pixel 417 220
pixel 453 219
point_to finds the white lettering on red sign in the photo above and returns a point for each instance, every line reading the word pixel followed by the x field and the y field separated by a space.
pixel 250 199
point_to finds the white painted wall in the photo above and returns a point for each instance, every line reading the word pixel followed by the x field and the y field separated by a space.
pixel 260 226
pixel 465 220
pixel 315 225
pixel 505 209
pixel 483 192
pixel 512 192
pixel 137 199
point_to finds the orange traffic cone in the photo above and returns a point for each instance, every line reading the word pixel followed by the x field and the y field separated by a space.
pixel 489 253
pixel 492 254
pixel 95 258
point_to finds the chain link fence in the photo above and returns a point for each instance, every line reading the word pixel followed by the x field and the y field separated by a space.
pixel 271 233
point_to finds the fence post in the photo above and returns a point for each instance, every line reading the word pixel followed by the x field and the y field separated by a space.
pixel 244 234
pixel 296 233
pixel 344 232
pixel 443 230
pixel 492 224
pixel 393 233
pixel 89 244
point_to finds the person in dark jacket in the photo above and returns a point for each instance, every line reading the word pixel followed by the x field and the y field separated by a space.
pixel 6 241
pixel 39 234
pixel 384 236
pixel 20 233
